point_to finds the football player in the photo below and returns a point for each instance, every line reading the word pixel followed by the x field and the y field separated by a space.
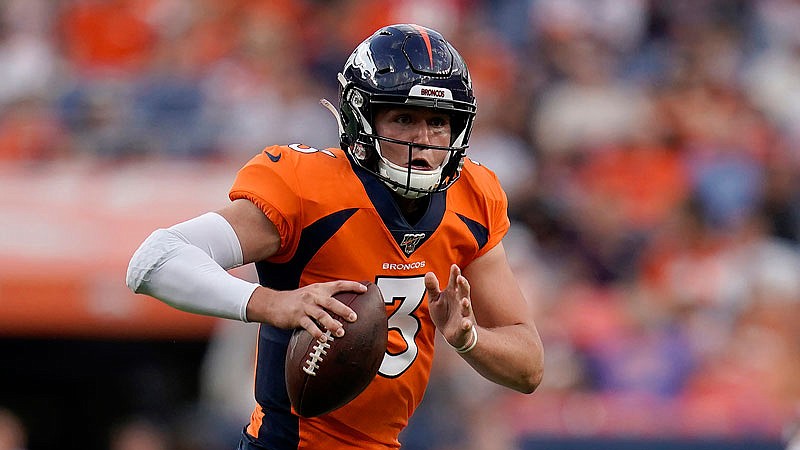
pixel 398 204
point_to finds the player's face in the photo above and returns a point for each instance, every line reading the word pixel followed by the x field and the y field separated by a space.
pixel 418 125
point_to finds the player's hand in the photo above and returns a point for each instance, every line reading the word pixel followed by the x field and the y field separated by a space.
pixel 310 307
pixel 451 308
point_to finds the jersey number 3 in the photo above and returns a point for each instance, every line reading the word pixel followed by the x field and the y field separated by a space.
pixel 409 292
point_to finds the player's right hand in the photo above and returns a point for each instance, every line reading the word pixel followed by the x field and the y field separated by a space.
pixel 310 307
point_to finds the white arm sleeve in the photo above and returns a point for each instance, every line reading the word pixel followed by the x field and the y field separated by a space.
pixel 186 266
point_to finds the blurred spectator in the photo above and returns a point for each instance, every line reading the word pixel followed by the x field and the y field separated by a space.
pixel 98 115
pixel 588 108
pixel 102 37
pixel 629 346
pixel 169 102
pixel 781 199
pixel 13 435
pixel 616 23
pixel 27 56
pixel 649 151
pixel 771 82
pixel 253 100
pixel 138 434
pixel 31 131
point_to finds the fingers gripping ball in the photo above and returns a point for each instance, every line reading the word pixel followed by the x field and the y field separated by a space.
pixel 324 376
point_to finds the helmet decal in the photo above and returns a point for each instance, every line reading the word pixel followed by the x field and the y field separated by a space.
pixel 362 60
pixel 430 91
pixel 424 33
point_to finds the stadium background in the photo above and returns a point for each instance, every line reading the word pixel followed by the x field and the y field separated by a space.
pixel 649 150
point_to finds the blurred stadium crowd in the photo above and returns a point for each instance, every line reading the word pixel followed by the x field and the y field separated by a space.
pixel 650 151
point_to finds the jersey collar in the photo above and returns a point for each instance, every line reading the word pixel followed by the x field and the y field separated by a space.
pixel 409 237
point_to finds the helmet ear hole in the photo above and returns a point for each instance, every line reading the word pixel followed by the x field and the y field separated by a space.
pixel 359 151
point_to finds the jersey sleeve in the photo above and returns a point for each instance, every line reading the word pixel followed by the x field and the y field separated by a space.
pixel 495 204
pixel 499 221
pixel 273 186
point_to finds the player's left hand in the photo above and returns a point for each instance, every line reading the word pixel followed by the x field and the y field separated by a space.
pixel 451 308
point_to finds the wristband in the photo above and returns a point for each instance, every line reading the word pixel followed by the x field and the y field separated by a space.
pixel 466 348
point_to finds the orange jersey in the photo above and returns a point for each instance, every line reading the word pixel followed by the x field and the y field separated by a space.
pixel 337 221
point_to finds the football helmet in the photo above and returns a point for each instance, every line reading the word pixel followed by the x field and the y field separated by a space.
pixel 405 65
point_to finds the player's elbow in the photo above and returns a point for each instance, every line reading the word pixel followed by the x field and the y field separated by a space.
pixel 532 376
pixel 150 253
pixel 133 276
pixel 532 380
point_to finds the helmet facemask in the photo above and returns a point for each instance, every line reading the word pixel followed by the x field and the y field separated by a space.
pixel 403 179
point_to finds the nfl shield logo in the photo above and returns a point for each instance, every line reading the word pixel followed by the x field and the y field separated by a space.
pixel 411 241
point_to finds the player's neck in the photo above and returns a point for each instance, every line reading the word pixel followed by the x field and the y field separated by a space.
pixel 412 208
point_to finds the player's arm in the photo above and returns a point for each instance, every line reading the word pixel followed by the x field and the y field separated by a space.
pixel 504 346
pixel 259 239
pixel 186 266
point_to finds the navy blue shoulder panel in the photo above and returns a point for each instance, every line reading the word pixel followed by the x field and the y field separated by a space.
pixel 286 276
pixel 279 428
pixel 480 232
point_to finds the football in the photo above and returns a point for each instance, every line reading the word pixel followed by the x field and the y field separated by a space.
pixel 321 377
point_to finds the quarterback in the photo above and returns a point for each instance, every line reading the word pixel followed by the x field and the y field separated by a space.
pixel 399 204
